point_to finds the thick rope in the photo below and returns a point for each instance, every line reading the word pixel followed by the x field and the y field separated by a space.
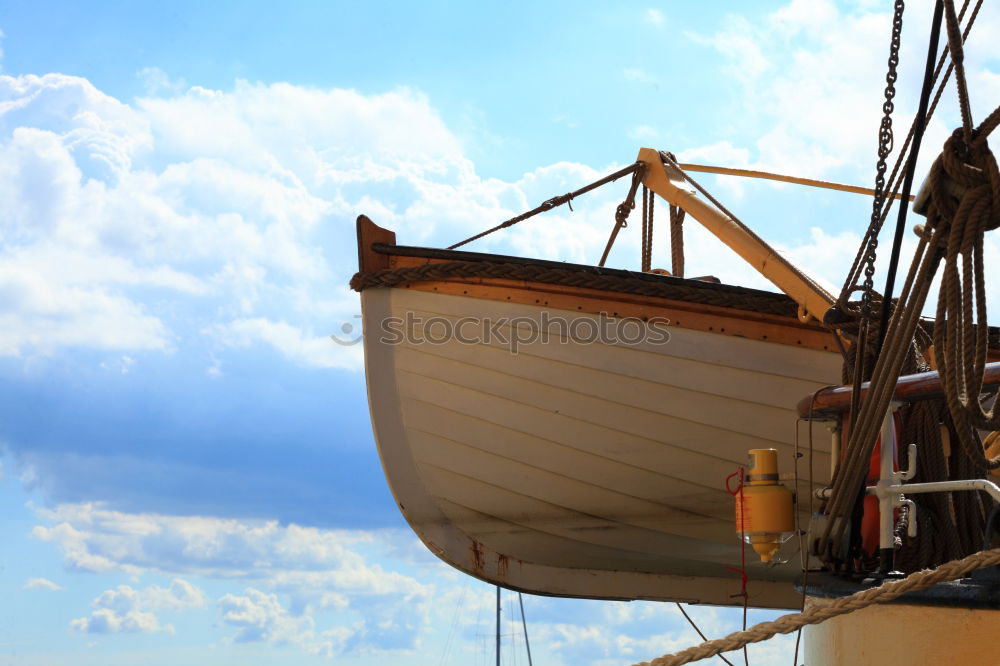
pixel 961 341
pixel 786 624
pixel 649 232
pixel 589 279
pixel 647 229
pixel 850 473
pixel 677 215
pixel 957 225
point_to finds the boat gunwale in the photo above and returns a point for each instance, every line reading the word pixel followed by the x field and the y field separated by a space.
pixel 707 283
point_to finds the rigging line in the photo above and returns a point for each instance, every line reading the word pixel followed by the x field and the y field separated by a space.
pixel 919 125
pixel 766 175
pixel 553 203
pixel 524 624
pixel 894 176
pixel 958 60
pixel 738 495
pixel 623 210
pixel 746 655
pixel 480 653
pixel 695 627
pixel 799 532
pixel 669 160
pixel 454 623
pixel 804 553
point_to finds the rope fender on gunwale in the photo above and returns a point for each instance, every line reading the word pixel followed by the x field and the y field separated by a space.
pixel 394 277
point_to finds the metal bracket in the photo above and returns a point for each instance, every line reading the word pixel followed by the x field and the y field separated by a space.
pixel 891 491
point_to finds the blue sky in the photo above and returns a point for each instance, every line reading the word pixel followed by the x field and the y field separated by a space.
pixel 188 473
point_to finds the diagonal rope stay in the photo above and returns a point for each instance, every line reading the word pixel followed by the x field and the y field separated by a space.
pixel 554 202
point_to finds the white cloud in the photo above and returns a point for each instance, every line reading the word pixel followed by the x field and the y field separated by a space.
pixel 40 584
pixel 328 571
pixel 107 621
pixel 638 75
pixel 140 227
pixel 643 133
pixel 261 617
pixel 298 346
pixel 811 76
pixel 336 592
pixel 143 227
pixel 181 595
pixel 206 204
pixel 127 610
pixel 721 153
pixel 227 215
pixel 718 153
pixel 155 81
pixel 568 121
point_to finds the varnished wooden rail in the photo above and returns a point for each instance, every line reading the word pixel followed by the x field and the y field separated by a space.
pixel 910 388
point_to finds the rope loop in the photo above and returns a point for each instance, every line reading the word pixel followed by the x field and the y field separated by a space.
pixel 738 474
pixel 964 205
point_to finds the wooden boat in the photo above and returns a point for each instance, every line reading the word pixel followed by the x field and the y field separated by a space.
pixel 592 465
pixel 572 464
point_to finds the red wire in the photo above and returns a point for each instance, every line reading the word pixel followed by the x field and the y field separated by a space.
pixel 742 571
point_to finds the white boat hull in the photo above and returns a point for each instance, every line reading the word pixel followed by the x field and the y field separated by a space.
pixel 579 468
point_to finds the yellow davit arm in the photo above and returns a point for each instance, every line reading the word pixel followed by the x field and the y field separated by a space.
pixel 667 182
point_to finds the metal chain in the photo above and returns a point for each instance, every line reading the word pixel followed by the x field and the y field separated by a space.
pixel 884 149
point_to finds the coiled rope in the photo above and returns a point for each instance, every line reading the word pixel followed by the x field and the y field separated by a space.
pixel 957 221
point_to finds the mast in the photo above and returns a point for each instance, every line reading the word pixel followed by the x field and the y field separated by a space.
pixel 498 625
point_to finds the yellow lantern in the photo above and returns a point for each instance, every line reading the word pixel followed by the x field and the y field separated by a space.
pixel 764 513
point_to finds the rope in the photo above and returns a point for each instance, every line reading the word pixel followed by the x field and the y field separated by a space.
pixel 623 210
pixel 741 527
pixel 917 132
pixel 553 203
pixel 671 161
pixel 937 539
pixel 957 227
pixel 786 624
pixel 647 230
pixel 960 337
pixel 958 60
pixel 895 178
pixel 849 476
pixel 769 304
pixel 695 627
pixel 781 178
pixel 960 345
pixel 677 215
